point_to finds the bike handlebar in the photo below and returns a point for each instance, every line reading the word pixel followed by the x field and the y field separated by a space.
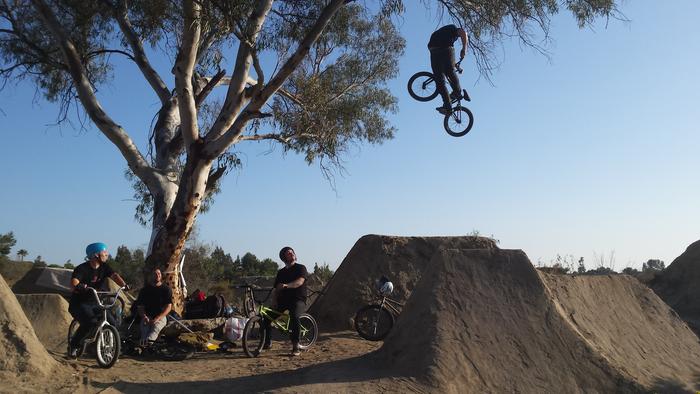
pixel 457 66
pixel 106 294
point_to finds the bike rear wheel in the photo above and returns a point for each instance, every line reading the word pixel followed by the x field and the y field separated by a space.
pixel 458 122
pixel 108 346
pixel 254 334
pixel 308 331
pixel 422 87
pixel 373 322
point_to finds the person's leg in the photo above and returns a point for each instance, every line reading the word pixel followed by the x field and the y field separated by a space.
pixel 155 328
pixel 266 326
pixel 295 310
pixel 449 67
pixel 84 313
pixel 437 65
pixel 144 329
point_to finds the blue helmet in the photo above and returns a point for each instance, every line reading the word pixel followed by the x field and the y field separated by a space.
pixel 95 248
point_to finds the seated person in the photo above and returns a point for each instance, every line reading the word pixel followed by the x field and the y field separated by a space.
pixel 153 304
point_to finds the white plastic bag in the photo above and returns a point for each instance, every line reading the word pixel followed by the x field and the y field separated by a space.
pixel 233 328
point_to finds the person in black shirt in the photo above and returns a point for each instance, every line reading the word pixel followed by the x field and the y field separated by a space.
pixel 442 61
pixel 153 304
pixel 290 293
pixel 83 306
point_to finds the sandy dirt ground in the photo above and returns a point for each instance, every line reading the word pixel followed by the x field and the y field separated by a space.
pixel 325 367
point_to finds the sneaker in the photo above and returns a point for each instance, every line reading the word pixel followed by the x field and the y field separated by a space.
pixel 296 352
pixel 267 346
pixel 444 110
pixel 73 352
pixel 454 96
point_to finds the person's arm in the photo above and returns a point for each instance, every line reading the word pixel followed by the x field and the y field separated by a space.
pixel 118 279
pixel 163 314
pixel 294 284
pixel 465 42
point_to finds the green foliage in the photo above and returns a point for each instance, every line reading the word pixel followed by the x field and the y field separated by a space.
pixel 7 241
pixel 38 262
pixel 69 266
pixel 129 265
pixel 653 265
pixel 323 272
pixel 21 254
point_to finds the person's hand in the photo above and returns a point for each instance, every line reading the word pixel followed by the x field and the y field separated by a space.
pixel 146 320
pixel 81 287
pixel 155 320
pixel 462 53
pixel 280 286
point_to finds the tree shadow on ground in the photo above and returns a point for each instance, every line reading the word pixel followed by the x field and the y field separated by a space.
pixel 356 371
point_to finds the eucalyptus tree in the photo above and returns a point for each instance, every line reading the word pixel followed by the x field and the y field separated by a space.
pixel 309 75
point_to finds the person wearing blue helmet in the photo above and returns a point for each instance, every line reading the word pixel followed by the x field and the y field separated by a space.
pixel 82 306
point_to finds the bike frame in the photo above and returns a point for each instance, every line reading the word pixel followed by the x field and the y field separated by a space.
pixel 391 305
pixel 104 307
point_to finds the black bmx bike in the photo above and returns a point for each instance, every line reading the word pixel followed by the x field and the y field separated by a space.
pixel 374 321
pixel 459 121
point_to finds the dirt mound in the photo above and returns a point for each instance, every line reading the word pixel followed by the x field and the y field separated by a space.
pixel 23 356
pixel 48 314
pixel 401 259
pixel 678 286
pixel 485 321
pixel 44 280
pixel 630 326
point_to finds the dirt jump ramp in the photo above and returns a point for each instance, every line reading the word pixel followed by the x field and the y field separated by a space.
pixel 401 259
pixel 48 314
pixel 487 321
pixel 22 356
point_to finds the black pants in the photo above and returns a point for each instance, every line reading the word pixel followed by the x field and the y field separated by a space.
pixel 442 61
pixel 87 314
pixel 295 308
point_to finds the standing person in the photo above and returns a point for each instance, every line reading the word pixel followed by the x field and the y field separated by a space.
pixel 83 306
pixel 153 304
pixel 290 293
pixel 442 61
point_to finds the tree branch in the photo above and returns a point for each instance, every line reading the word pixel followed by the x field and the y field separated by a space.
pixel 156 82
pixel 211 84
pixel 184 70
pixel 219 145
pixel 86 95
pixel 234 97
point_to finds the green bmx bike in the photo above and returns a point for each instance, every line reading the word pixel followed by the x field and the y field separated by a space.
pixel 255 331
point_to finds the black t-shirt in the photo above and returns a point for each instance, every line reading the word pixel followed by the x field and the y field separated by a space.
pixel 154 299
pixel 92 277
pixel 286 275
pixel 444 37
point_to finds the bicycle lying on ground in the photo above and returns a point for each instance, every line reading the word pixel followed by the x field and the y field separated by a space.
pixel 163 348
pixel 104 335
pixel 374 321
pixel 459 121
pixel 255 332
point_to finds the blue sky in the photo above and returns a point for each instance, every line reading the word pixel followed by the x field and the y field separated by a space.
pixel 586 153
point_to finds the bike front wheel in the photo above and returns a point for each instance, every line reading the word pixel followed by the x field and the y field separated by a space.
pixel 308 331
pixel 254 334
pixel 373 322
pixel 108 346
pixel 458 122
pixel 422 87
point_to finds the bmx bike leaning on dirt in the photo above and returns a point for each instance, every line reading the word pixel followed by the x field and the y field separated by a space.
pixel 374 321
pixel 457 122
pixel 255 331
pixel 104 335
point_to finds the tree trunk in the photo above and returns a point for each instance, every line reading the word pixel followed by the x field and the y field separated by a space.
pixel 169 240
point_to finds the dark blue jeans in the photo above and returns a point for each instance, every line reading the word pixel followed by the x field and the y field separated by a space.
pixel 88 314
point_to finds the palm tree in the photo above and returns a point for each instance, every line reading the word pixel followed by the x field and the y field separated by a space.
pixel 22 253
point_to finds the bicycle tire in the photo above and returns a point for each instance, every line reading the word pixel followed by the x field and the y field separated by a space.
pixel 373 322
pixel 71 332
pixel 108 346
pixel 249 307
pixel 254 334
pixel 308 331
pixel 424 90
pixel 176 351
pixel 458 122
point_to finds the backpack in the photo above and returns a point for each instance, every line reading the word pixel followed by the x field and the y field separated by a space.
pixel 212 306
